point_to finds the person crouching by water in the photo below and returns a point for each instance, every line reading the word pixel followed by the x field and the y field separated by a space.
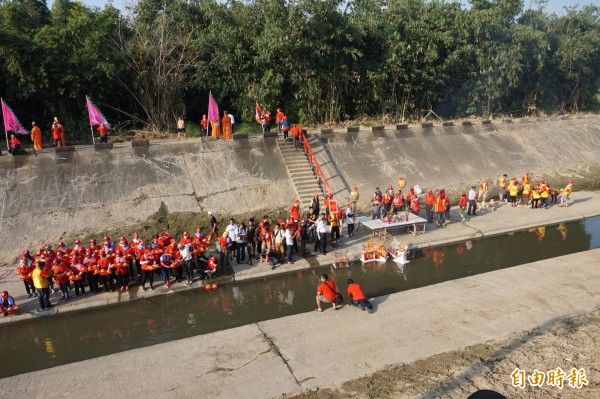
pixel 326 292
pixel 357 298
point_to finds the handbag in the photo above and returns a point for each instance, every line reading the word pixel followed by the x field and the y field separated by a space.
pixel 339 298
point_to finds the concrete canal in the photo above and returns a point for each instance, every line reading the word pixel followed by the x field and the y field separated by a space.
pixel 52 341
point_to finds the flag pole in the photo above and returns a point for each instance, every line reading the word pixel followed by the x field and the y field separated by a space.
pixel 87 102
pixel 208 125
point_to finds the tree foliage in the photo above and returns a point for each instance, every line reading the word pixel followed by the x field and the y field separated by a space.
pixel 320 60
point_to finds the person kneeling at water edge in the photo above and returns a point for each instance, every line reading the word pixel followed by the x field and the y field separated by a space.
pixel 326 292
pixel 356 297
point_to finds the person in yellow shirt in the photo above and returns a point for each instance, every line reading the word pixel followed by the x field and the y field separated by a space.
pixel 526 196
pixel 566 192
pixel 502 183
pixel 535 197
pixel 335 226
pixel 40 282
pixel 513 191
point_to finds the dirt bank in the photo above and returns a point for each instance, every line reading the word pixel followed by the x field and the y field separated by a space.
pixel 566 343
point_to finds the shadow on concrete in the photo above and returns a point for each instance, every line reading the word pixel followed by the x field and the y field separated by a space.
pixel 378 301
pixel 485 365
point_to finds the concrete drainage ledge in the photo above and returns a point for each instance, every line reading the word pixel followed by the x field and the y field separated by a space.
pixel 448 124
pixel 427 125
pixel 402 126
pixel 103 146
pixel 140 143
pixel 64 149
pixel 377 128
pixel 240 136
pixel 353 129
pixel 486 122
pixel 269 134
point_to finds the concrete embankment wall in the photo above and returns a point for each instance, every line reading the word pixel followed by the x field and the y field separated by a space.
pixel 60 194
pixel 456 157
pixel 81 191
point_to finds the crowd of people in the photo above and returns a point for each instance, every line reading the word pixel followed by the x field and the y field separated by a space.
pixel 109 267
pixel 538 195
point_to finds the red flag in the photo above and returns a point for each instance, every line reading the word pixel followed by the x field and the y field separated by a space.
pixel 11 123
pixel 213 109
pixel 258 113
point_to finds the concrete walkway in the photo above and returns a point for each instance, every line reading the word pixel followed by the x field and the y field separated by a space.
pixel 316 350
pixel 487 223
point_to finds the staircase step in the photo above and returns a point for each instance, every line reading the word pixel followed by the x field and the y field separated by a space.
pixel 300 173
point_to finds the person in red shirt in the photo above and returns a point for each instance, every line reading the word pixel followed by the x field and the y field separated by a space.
pixel 60 271
pixel 296 136
pixel 14 145
pixel 326 292
pixel 24 270
pixel 204 124
pixel 295 211
pixel 103 130
pixel 357 298
pixel 440 208
pixel 279 119
pixel 415 205
pixel 462 204
pixel 90 266
pixel 429 203
pixel 105 272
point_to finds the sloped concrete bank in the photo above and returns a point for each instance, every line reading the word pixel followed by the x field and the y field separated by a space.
pixel 84 190
pixel 456 157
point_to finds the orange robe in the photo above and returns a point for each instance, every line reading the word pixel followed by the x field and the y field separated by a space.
pixel 62 135
pixel 215 129
pixel 226 126
pixel 36 137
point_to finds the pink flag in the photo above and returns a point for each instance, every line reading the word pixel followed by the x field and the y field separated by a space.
pixel 257 113
pixel 11 123
pixel 96 116
pixel 213 109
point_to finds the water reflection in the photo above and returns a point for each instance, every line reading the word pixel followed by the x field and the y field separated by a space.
pixel 68 338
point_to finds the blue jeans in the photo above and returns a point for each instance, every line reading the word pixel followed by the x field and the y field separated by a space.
pixel 165 274
pixel 363 304
pixel 289 249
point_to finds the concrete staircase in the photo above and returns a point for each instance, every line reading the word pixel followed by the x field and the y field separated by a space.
pixel 300 172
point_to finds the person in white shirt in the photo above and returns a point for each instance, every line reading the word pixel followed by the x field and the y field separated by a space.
pixel 472 201
pixel 232 122
pixel 232 232
pixel 279 237
pixel 350 220
pixel 289 244
pixel 321 241
pixel 185 255
pixel 240 254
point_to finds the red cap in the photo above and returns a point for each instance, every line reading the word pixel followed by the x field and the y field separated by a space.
pixel 330 195
pixel 297 201
pixel 93 241
pixel 61 244
pixel 136 235
pixel 4 293
pixel 77 242
pixel 463 193
pixel 172 240
pixel 198 229
pixel 185 233
pixel 107 238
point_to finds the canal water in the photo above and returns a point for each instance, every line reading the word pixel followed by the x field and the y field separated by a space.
pixel 52 341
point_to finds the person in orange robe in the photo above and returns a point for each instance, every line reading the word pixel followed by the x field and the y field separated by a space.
pixel 226 126
pixel 36 136
pixel 215 128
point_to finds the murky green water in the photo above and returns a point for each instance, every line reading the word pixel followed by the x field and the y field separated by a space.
pixel 51 341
